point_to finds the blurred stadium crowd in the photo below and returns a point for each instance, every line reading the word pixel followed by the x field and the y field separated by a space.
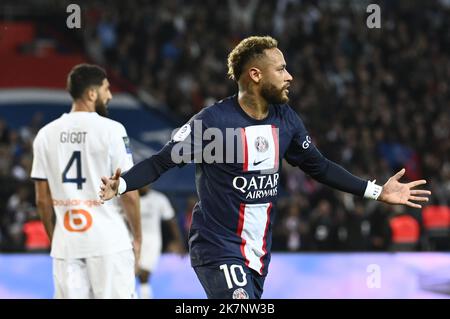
pixel 374 100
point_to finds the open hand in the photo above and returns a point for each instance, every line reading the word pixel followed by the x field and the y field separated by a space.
pixel 395 192
pixel 109 186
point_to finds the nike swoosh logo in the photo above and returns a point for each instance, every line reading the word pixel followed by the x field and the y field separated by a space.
pixel 257 163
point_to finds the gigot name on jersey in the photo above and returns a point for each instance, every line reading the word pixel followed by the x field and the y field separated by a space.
pixel 73 137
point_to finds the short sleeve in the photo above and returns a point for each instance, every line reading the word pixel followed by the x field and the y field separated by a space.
pixel 121 156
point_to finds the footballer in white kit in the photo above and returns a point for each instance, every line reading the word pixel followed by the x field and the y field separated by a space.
pixel 92 253
pixel 155 207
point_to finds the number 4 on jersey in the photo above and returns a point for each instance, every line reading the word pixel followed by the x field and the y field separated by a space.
pixel 79 180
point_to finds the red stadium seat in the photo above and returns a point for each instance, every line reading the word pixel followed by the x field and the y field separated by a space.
pixel 36 237
pixel 436 221
pixel 436 217
pixel 13 35
pixel 405 232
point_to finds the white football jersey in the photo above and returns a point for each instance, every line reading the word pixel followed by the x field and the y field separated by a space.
pixel 155 206
pixel 72 153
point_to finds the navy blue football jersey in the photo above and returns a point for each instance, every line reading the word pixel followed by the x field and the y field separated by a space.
pixel 236 210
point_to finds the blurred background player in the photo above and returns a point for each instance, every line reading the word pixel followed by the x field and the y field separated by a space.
pixel 155 207
pixel 92 253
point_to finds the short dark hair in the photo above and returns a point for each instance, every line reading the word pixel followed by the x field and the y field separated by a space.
pixel 82 77
pixel 246 50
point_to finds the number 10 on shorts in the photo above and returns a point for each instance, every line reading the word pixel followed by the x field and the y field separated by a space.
pixel 234 278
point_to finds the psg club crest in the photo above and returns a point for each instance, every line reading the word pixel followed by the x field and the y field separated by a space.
pixel 240 294
pixel 261 144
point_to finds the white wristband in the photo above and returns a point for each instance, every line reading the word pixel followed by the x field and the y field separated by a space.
pixel 372 190
pixel 122 186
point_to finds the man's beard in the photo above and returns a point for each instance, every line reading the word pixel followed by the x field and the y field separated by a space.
pixel 100 108
pixel 272 94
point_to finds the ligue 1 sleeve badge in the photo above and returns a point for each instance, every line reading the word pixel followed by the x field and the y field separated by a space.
pixel 240 293
pixel 126 141
pixel 182 133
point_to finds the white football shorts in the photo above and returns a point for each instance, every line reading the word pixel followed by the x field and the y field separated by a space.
pixel 101 277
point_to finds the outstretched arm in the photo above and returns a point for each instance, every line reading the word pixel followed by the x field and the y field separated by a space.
pixel 392 192
pixel 303 153
pixel 182 149
pixel 141 174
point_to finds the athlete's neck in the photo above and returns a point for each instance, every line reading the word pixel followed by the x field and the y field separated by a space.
pixel 255 106
pixel 82 106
